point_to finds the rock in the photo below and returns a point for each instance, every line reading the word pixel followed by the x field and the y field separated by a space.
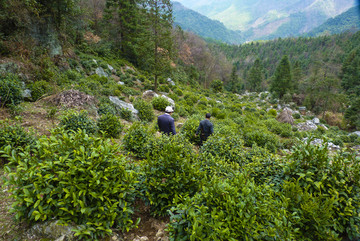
pixel 113 71
pixel 149 94
pixel 286 116
pixel 218 101
pixel 171 82
pixel 316 121
pixel 355 133
pixel 26 94
pixel 121 83
pixel 324 126
pixel 180 125
pixel 144 238
pixel 94 60
pixel 319 142
pixel 8 67
pixel 306 126
pixel 172 102
pixel 123 104
pixel 101 72
pixel 52 230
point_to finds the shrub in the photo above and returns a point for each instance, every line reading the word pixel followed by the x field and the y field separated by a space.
pixel 110 125
pixel 160 103
pixel 146 112
pixel 217 85
pixel 262 139
pixel 281 129
pixel 137 140
pixel 74 178
pixel 14 135
pixel 106 108
pixel 223 147
pixel 10 90
pixel 170 172
pixel 189 128
pixel 39 88
pixel 164 88
pixel 323 191
pixel 230 209
pixel 126 114
pixel 272 112
pixel 78 120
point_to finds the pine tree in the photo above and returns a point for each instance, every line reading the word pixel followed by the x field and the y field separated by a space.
pixel 124 16
pixel 255 76
pixel 156 39
pixel 281 81
pixel 351 73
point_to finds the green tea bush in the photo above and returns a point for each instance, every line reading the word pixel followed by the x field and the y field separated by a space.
pixel 74 178
pixel 272 112
pixel 323 191
pixel 189 128
pixel 110 125
pixel 190 98
pixel 39 88
pixel 14 135
pixel 224 147
pixel 74 120
pixel 130 91
pixel 10 90
pixel 106 108
pixel 217 85
pixel 231 209
pixel 146 112
pixel 126 114
pixel 164 88
pixel 262 139
pixel 170 172
pixel 137 139
pixel 281 129
pixel 160 103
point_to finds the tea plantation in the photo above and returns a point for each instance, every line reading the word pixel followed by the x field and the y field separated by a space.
pixel 88 162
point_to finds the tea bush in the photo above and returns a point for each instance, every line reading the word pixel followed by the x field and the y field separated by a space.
pixel 231 209
pixel 106 108
pixel 14 135
pixel 137 139
pixel 74 120
pixel 110 125
pixel 281 129
pixel 76 179
pixel 39 88
pixel 223 147
pixel 170 172
pixel 160 103
pixel 189 128
pixel 272 112
pixel 323 191
pixel 10 90
pixel 126 114
pixel 262 139
pixel 146 112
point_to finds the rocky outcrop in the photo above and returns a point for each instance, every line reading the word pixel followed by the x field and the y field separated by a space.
pixel 123 104
pixel 306 126
pixel 286 116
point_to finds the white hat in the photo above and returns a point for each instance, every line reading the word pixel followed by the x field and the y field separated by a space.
pixel 169 109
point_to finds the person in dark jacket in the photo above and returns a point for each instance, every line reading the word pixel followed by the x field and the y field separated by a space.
pixel 166 122
pixel 206 128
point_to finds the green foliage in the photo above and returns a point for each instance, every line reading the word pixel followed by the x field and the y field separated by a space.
pixel 39 88
pixel 10 90
pixel 160 103
pixel 170 172
pixel 106 108
pixel 189 129
pixel 231 209
pixel 126 114
pixel 352 114
pixel 137 139
pixel 281 82
pixel 281 129
pixel 323 191
pixel 73 120
pixel 223 147
pixel 146 112
pixel 110 125
pixel 217 85
pixel 14 135
pixel 262 139
pixel 76 179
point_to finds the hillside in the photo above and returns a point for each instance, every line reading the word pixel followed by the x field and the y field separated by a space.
pixel 348 21
pixel 192 21
pixel 271 19
pixel 81 152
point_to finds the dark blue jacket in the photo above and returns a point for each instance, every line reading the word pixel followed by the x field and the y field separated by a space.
pixel 166 124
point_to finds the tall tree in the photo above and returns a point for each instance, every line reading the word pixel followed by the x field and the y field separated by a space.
pixel 124 18
pixel 156 40
pixel 281 81
pixel 256 76
pixel 350 77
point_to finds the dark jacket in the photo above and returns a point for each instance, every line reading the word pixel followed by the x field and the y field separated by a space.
pixel 166 124
pixel 206 128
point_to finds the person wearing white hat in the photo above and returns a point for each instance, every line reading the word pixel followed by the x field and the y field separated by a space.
pixel 166 123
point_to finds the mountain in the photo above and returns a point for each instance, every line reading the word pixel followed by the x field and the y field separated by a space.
pixel 267 19
pixel 201 25
pixel 350 20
